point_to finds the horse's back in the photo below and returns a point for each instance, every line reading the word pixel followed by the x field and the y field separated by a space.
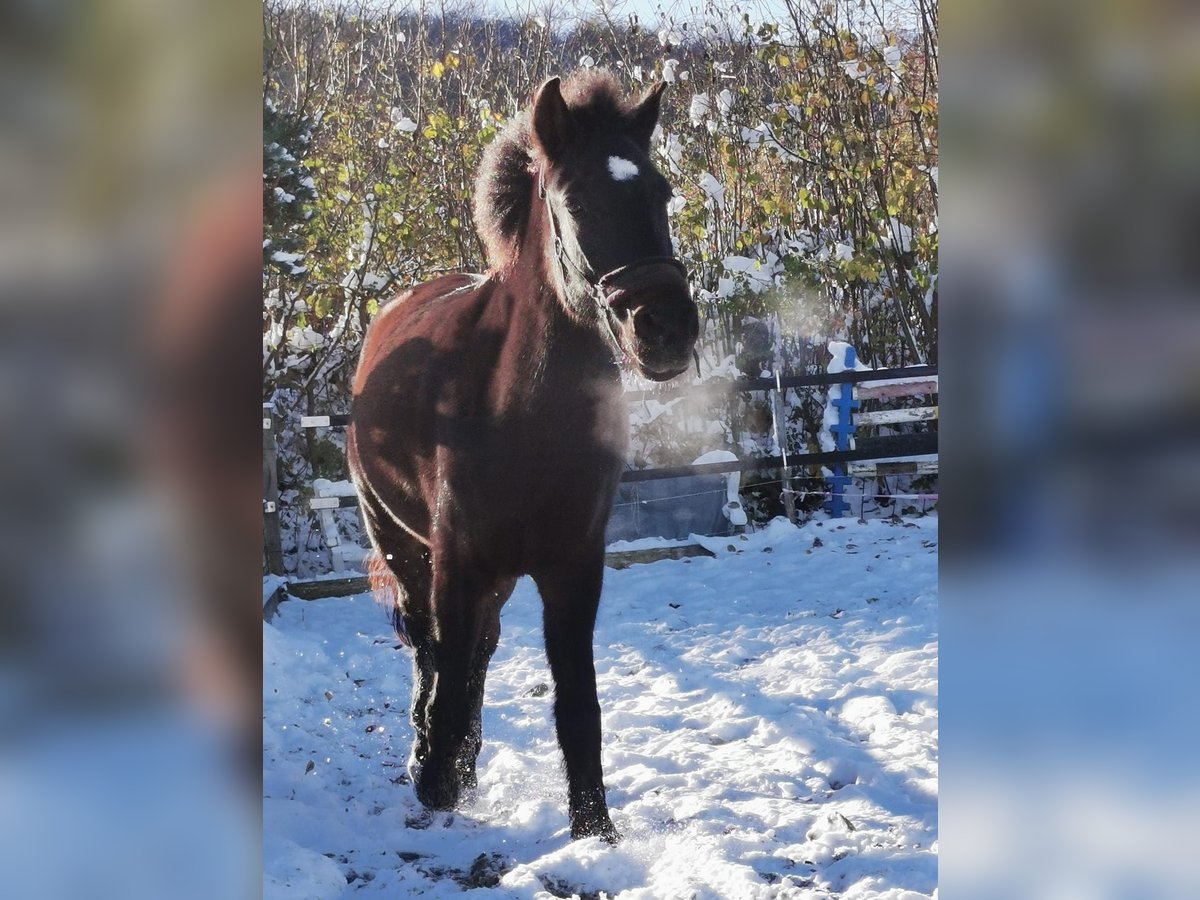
pixel 419 314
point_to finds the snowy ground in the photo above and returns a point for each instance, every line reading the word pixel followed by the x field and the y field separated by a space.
pixel 770 730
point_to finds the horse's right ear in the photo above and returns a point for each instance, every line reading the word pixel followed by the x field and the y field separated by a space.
pixel 551 119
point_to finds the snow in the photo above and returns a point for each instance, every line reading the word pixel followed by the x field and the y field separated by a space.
pixel 770 722
pixel 272 583
pixel 830 416
pixel 622 169
pixel 648 543
pixel 326 488
pixel 857 69
pixel 713 188
pixel 714 456
pixel 733 504
pixel 725 103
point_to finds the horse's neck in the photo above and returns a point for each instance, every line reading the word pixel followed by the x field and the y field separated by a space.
pixel 566 346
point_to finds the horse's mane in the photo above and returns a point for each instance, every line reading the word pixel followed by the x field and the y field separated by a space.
pixel 504 185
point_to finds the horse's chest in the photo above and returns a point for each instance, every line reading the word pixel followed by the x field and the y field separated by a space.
pixel 560 454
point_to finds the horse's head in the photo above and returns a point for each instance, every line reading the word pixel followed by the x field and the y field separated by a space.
pixel 608 239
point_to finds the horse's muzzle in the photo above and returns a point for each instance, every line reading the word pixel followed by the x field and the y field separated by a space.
pixel 657 319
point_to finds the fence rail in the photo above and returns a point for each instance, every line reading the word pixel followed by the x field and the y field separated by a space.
pixel 869 457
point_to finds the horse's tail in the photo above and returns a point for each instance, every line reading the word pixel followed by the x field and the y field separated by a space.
pixel 386 589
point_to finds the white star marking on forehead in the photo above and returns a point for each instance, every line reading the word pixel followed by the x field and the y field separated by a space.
pixel 621 169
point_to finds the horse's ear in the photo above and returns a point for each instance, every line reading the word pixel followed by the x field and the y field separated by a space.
pixel 644 116
pixel 551 119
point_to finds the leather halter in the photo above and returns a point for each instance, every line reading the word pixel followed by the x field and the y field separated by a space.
pixel 604 290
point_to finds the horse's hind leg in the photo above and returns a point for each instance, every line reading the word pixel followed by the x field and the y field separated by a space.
pixel 472 743
pixel 570 596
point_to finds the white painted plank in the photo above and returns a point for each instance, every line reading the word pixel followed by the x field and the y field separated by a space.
pixel 323 487
pixel 324 503
pixel 314 421
pixel 914 380
pixel 897 416
pixel 896 387
pixel 891 467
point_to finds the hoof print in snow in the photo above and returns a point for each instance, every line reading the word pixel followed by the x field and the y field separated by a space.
pixel 410 856
pixel 560 888
pixel 309 767
pixel 420 820
pixel 673 605
pixel 538 690
pixel 486 871
pixel 817 542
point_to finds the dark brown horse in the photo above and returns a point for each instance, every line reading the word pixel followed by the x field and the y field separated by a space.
pixel 489 430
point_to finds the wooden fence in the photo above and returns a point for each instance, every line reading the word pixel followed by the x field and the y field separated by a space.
pixel 868 457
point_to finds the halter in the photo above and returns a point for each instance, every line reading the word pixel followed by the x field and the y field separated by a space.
pixel 604 288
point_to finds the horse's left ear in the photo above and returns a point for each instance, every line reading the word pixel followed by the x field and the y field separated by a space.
pixel 644 116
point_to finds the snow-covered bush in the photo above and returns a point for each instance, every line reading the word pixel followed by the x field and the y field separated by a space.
pixel 803 151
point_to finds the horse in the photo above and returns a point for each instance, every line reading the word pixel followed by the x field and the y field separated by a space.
pixel 488 430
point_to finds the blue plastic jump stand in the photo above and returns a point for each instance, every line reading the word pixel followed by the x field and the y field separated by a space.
pixel 843 432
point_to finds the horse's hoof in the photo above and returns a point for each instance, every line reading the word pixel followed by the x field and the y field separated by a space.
pixel 601 828
pixel 437 789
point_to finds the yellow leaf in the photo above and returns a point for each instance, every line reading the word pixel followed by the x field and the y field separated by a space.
pixel 783 61
pixel 437 69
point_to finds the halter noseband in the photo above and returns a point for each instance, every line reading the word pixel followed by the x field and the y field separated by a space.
pixel 605 289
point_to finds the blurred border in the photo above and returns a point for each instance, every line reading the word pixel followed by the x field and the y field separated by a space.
pixel 1071 386
pixel 130 233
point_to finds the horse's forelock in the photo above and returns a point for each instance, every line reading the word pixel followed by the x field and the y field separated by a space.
pixel 504 186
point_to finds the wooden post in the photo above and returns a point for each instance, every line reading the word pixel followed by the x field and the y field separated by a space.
pixel 779 415
pixel 272 538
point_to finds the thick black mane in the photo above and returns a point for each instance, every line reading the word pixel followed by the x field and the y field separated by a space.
pixel 504 185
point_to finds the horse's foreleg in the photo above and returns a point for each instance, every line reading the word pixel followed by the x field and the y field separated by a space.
pixel 570 598
pixel 490 636
pixel 458 609
pixel 421 692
